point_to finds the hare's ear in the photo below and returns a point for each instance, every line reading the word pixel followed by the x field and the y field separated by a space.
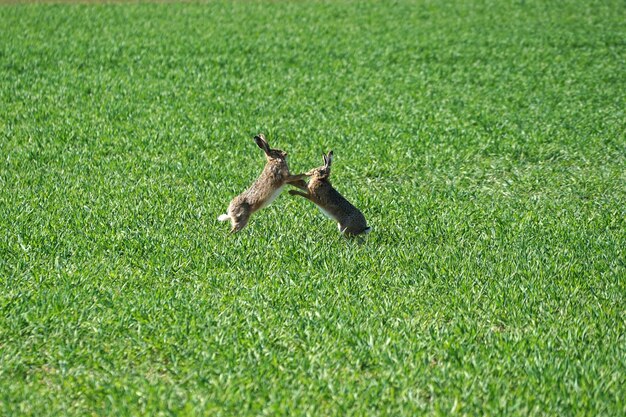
pixel 262 143
pixel 329 159
pixel 325 160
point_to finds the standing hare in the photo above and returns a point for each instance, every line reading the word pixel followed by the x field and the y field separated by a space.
pixel 265 189
pixel 350 220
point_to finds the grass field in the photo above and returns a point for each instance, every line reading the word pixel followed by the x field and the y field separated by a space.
pixel 484 141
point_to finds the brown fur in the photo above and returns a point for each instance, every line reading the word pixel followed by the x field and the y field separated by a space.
pixel 321 192
pixel 267 187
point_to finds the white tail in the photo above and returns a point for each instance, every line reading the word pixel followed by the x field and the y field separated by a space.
pixel 366 231
pixel 223 217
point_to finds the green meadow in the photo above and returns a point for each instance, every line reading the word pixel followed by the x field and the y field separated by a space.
pixel 484 141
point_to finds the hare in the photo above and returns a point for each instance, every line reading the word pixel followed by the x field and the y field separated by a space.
pixel 265 189
pixel 350 220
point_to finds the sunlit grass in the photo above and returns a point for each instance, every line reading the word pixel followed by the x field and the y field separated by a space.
pixel 484 143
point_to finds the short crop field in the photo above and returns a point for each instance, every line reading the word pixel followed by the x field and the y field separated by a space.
pixel 484 141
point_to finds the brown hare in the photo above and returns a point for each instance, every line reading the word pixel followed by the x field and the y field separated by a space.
pixel 265 189
pixel 350 220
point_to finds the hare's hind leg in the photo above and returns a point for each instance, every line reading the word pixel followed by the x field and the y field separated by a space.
pixel 354 231
pixel 239 216
pixel 239 223
pixel 238 226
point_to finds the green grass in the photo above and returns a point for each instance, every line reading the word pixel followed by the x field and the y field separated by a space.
pixel 484 142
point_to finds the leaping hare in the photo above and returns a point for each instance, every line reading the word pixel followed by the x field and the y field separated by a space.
pixel 265 189
pixel 350 220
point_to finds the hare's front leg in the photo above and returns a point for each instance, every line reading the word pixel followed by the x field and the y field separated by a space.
pixel 295 178
pixel 297 181
pixel 301 194
pixel 301 184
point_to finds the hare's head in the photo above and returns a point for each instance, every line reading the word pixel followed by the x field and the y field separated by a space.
pixel 270 154
pixel 322 172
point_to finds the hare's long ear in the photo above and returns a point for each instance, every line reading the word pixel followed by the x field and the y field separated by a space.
pixel 325 160
pixel 329 159
pixel 262 143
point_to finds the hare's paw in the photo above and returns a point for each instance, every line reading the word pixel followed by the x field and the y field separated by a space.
pixel 301 184
pixel 295 192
